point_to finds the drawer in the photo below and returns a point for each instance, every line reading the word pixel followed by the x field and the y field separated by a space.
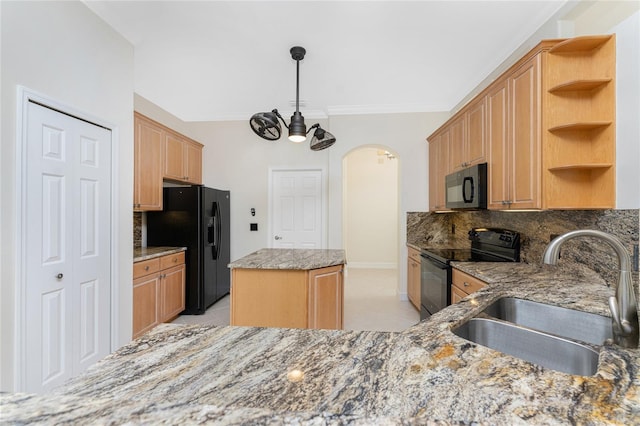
pixel 146 267
pixel 172 260
pixel 414 254
pixel 466 282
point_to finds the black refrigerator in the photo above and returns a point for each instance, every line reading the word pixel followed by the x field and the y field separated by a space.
pixel 196 217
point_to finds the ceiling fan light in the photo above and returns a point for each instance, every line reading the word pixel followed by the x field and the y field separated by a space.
pixel 297 128
pixel 321 140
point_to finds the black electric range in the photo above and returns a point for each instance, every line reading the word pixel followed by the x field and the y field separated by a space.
pixel 487 245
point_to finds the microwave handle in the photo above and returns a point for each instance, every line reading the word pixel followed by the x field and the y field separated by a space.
pixel 468 179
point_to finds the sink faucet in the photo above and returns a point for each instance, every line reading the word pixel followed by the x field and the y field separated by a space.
pixel 623 305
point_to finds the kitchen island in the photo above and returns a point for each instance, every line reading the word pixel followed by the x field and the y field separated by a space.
pixel 291 288
pixel 424 375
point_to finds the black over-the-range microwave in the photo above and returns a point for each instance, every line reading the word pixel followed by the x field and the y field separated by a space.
pixel 467 189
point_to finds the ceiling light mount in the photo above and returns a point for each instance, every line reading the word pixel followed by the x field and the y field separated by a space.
pixel 267 124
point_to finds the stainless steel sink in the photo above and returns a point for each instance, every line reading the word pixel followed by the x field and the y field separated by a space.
pixel 530 345
pixel 569 323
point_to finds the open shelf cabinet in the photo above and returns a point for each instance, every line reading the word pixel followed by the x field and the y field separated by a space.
pixel 579 143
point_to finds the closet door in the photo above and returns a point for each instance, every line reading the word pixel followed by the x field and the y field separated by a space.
pixel 67 249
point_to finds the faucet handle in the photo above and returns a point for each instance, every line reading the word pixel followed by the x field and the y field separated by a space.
pixel 624 325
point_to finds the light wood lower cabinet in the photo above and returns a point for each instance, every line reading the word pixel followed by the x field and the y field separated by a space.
pixel 288 298
pixel 158 291
pixel 463 284
pixel 413 276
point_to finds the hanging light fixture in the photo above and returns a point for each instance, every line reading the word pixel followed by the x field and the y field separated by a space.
pixel 267 124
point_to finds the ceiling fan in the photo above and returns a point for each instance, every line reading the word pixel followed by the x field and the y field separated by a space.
pixel 267 124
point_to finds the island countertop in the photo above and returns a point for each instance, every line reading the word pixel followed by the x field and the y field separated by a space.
pixel 424 375
pixel 305 259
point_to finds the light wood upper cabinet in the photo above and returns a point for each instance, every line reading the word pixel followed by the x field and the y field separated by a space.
pixel 523 164
pixel 160 153
pixel 548 124
pixel 579 148
pixel 147 179
pixel 498 155
pixel 476 132
pixel 457 145
pixel 438 169
pixel 183 159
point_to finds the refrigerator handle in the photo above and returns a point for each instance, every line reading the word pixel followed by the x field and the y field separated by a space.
pixel 215 248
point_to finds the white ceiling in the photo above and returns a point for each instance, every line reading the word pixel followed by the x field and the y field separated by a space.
pixel 225 60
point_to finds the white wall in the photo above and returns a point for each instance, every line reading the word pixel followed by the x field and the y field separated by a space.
pixel 628 112
pixel 371 208
pixel 64 52
pixel 406 135
pixel 236 159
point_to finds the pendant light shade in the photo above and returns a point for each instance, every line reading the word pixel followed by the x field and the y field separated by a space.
pixel 267 124
pixel 321 139
pixel 297 128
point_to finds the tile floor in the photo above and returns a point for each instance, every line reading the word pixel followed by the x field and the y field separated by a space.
pixel 370 303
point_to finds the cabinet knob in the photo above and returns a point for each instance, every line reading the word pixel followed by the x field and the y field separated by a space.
pixel 277 237
pixel 146 268
pixel 466 284
pixel 59 276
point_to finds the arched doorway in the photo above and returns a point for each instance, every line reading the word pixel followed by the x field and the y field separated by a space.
pixel 370 237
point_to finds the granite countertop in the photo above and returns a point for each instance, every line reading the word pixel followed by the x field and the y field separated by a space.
pixel 424 375
pixel 269 258
pixel 146 253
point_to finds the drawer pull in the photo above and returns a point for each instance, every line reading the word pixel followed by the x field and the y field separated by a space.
pixel 146 268
pixel 466 284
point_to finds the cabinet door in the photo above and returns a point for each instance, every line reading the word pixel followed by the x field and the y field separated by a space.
pixel 147 192
pixel 476 134
pixel 457 294
pixel 172 292
pixel 326 300
pixel 457 155
pixel 193 167
pixel 146 298
pixel 438 169
pixel 524 135
pixel 413 282
pixel 174 158
pixel 498 160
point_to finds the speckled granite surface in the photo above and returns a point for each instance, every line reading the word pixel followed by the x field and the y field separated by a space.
pixel 146 253
pixel 535 228
pixel 268 258
pixel 425 375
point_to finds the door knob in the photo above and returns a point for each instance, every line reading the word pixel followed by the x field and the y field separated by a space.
pixel 59 276
pixel 277 237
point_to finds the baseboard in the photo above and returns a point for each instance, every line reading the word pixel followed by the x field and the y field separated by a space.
pixel 367 265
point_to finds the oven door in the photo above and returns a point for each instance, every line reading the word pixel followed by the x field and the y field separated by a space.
pixel 435 286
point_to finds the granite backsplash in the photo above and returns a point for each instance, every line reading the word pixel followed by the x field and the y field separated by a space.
pixel 137 230
pixel 536 228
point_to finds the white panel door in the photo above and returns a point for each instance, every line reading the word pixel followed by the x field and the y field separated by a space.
pixel 296 209
pixel 67 248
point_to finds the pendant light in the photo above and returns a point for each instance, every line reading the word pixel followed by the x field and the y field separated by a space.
pixel 267 124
